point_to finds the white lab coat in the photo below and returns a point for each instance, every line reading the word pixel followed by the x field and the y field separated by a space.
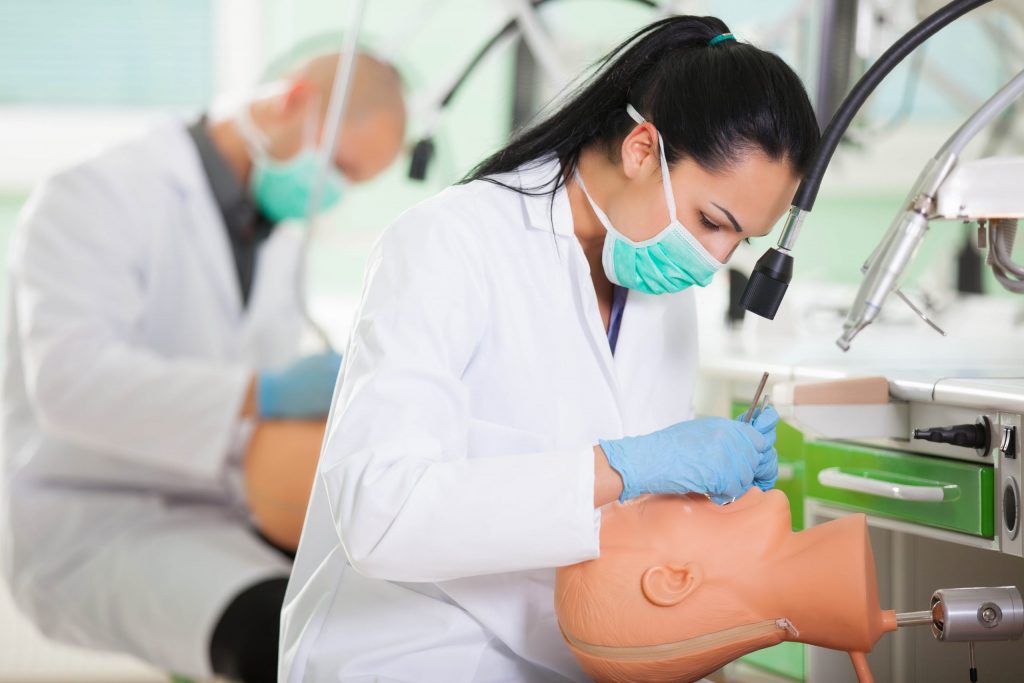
pixel 128 355
pixel 457 470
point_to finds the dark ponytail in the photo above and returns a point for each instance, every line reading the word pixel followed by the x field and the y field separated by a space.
pixel 710 104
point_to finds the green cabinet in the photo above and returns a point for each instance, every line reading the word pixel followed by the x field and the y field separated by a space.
pixel 784 659
pixel 920 489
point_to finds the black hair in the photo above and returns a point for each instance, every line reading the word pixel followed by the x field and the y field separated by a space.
pixel 711 103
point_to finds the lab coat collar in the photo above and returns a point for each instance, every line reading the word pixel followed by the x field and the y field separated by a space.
pixel 544 211
pixel 178 152
pixel 172 144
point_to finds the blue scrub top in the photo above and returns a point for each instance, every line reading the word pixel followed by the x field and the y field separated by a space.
pixel 615 320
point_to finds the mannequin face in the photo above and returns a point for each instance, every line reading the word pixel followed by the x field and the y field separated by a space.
pixel 678 568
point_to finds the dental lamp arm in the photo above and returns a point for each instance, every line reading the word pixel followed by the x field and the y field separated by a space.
pixel 423 150
pixel 773 272
pixel 539 42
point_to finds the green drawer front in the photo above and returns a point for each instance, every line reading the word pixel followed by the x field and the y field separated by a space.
pixel 784 659
pixel 967 489
pixel 789 443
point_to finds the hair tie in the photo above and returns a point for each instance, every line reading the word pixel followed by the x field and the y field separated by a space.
pixel 721 37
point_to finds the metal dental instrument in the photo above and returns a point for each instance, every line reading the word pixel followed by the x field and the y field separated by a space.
pixel 901 241
pixel 750 414
pixel 757 397
pixel 774 271
pixel 920 314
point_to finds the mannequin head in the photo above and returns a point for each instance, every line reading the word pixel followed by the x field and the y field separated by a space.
pixel 683 586
pixel 279 467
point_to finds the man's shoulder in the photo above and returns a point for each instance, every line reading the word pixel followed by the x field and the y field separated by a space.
pixel 141 157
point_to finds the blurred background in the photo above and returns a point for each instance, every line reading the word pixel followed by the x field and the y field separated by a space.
pixel 78 75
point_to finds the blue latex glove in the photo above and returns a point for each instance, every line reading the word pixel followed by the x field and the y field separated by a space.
pixel 303 389
pixel 712 455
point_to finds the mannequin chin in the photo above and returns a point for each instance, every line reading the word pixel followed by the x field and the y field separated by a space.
pixel 279 467
pixel 683 586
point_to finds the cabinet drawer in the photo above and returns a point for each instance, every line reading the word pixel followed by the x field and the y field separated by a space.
pixel 915 488
pixel 785 659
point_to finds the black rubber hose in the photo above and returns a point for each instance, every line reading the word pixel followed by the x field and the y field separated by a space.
pixel 423 151
pixel 489 45
pixel 851 104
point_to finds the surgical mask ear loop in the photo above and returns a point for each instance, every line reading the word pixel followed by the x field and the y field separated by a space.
pixel 255 139
pixel 670 199
pixel 258 144
pixel 666 183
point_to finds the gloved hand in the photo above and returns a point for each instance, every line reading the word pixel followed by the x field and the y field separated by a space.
pixel 303 389
pixel 711 455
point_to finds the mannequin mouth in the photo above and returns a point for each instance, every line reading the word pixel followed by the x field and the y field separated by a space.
pixel 689 646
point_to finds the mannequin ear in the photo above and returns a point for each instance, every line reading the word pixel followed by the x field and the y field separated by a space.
pixel 668 586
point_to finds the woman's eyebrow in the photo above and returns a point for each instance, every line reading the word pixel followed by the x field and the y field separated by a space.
pixel 731 218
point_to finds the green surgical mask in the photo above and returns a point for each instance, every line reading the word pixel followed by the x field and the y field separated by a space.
pixel 282 189
pixel 669 262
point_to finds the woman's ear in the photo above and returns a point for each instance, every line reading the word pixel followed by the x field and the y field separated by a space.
pixel 668 586
pixel 639 152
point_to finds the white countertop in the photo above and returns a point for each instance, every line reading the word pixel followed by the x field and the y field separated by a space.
pixel 978 365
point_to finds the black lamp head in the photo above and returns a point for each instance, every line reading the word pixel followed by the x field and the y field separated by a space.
pixel 768 283
pixel 422 153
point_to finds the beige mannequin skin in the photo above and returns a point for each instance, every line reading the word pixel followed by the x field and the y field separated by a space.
pixel 279 467
pixel 677 568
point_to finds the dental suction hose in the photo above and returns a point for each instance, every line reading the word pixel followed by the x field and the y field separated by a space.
pixel 773 272
pixel 1009 273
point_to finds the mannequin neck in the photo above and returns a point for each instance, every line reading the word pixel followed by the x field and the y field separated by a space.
pixel 825 584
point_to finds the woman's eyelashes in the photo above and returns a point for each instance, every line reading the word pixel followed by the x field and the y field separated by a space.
pixel 707 223
pixel 712 226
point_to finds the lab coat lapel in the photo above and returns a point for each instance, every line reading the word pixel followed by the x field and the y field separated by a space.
pixel 655 360
pixel 556 216
pixel 590 316
pixel 202 217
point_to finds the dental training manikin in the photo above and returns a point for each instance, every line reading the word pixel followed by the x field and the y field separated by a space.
pixel 279 466
pixel 684 586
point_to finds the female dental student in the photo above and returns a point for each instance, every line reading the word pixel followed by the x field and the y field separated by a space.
pixel 525 353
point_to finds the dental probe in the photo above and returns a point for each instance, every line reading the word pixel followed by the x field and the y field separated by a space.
pixel 757 397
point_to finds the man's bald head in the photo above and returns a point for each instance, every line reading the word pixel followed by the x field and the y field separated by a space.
pixel 374 126
pixel 376 85
pixel 373 129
